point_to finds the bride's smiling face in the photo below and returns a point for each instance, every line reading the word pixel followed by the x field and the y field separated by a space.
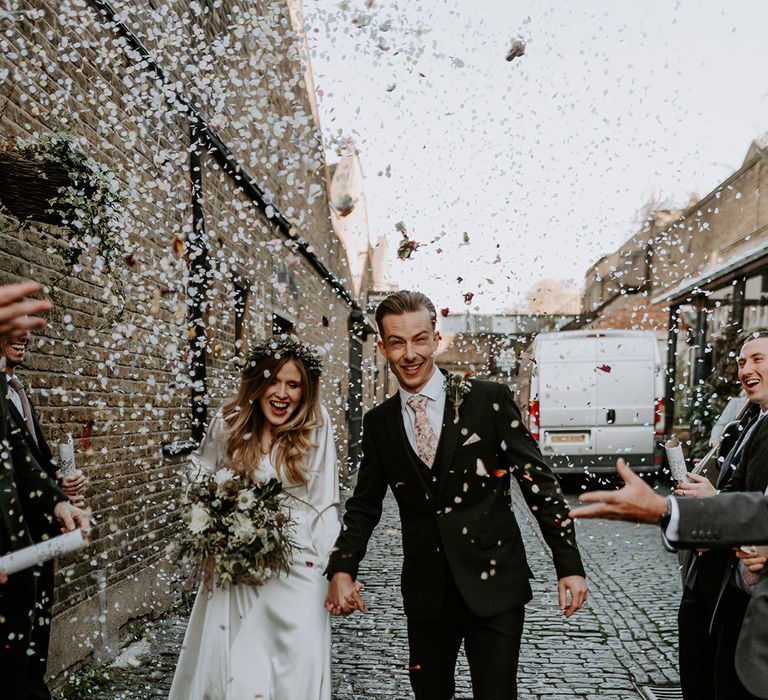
pixel 283 395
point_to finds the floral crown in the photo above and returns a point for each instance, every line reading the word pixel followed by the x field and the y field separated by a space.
pixel 285 344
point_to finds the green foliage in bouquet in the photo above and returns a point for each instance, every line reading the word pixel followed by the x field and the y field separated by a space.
pixel 236 530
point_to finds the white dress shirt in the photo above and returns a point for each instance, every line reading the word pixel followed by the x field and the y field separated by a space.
pixel 14 396
pixel 672 533
pixel 434 390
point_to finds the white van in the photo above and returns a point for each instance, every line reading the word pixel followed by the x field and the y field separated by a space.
pixel 596 395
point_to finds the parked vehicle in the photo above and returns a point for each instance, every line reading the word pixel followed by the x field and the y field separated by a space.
pixel 595 396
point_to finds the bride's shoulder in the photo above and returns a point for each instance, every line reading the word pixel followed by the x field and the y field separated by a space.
pixel 217 428
pixel 323 417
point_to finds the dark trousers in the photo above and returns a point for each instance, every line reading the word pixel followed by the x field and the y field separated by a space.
pixel 697 647
pixel 41 633
pixel 730 616
pixel 707 660
pixel 492 646
pixel 17 602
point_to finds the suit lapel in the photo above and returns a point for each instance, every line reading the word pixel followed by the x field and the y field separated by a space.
pixel 755 478
pixel 736 453
pixel 449 437
pixel 21 424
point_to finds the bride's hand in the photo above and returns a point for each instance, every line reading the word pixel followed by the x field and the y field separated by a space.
pixel 344 595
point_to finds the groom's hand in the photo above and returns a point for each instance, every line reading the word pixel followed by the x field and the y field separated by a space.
pixel 578 589
pixel 343 595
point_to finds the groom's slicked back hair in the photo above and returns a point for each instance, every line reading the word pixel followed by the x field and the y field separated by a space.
pixel 753 335
pixel 404 302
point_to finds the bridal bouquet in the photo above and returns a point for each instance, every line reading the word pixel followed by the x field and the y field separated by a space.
pixel 236 529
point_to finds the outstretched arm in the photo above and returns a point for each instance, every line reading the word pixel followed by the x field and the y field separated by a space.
pixel 636 502
pixel 17 315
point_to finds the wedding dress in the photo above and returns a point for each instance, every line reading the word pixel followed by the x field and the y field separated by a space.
pixel 271 642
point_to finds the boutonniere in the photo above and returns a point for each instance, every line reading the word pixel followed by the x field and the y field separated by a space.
pixel 456 388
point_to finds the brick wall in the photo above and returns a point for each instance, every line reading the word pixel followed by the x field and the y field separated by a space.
pixel 677 246
pixel 731 219
pixel 123 389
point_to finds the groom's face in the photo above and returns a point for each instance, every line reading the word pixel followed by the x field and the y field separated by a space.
pixel 408 341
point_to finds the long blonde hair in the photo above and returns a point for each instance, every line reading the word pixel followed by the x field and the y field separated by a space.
pixel 246 421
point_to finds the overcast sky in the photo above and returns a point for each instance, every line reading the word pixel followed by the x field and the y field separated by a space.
pixel 543 161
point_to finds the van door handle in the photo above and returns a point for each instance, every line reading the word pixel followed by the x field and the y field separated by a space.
pixel 610 415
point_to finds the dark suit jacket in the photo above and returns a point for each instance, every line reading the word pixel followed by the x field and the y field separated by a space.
pixel 464 523
pixel 713 568
pixel 27 494
pixel 731 520
pixel 36 443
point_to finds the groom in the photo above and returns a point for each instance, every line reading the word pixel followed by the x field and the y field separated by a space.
pixel 465 576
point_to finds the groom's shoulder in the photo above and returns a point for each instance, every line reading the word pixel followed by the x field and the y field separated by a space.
pixel 486 387
pixel 380 409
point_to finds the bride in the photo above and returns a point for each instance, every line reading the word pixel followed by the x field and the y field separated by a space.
pixel 271 642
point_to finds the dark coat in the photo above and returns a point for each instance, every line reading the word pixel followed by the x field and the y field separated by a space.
pixel 464 522
pixel 37 444
pixel 27 494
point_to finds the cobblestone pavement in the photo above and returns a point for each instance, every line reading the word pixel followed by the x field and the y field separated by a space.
pixel 626 635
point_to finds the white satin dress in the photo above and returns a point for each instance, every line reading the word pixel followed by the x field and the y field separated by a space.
pixel 272 642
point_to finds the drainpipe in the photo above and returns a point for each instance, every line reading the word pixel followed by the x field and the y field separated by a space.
pixel 197 286
pixel 669 383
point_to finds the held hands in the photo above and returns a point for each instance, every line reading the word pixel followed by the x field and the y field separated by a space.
pixel 699 487
pixel 577 587
pixel 344 595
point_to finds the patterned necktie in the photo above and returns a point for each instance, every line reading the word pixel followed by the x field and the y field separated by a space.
pixel 426 440
pixel 15 384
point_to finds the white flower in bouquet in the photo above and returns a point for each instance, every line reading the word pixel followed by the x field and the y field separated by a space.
pixel 242 527
pixel 199 519
pixel 223 475
pixel 245 500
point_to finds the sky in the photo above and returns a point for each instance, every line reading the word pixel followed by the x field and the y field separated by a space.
pixel 542 163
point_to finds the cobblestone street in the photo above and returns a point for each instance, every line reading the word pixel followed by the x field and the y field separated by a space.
pixel 626 636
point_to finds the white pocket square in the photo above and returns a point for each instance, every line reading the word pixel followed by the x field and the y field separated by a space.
pixel 471 439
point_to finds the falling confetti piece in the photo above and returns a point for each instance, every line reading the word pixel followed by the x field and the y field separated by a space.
pixel 604 368
pixel 516 50
pixel 178 246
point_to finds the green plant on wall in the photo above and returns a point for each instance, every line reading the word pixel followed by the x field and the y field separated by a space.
pixel 706 401
pixel 79 194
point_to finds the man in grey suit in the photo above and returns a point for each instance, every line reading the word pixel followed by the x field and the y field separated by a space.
pixel 726 520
